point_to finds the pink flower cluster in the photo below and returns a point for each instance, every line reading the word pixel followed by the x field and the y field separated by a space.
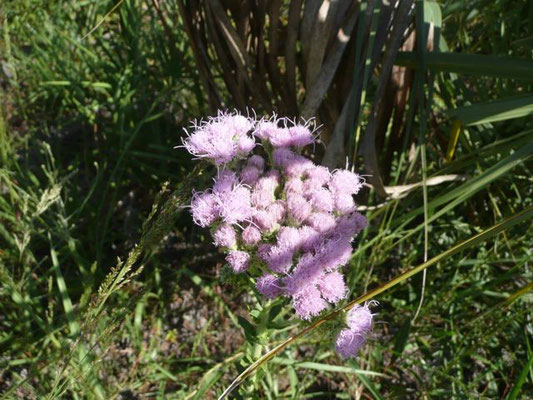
pixel 276 213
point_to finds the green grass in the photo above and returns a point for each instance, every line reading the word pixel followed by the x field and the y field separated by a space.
pixel 109 291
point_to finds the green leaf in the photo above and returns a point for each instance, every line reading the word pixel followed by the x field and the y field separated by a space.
pixel 499 110
pixel 521 379
pixel 471 64
pixel 249 329
pixel 65 298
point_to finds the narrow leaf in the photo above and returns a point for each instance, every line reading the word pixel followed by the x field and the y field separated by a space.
pixel 471 64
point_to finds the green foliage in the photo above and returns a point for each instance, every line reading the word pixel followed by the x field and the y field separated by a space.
pixel 107 290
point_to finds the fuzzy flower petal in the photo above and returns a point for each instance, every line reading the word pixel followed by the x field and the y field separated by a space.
pixel 245 145
pixel 344 203
pixel 265 129
pixel 279 259
pixel 283 156
pixel 321 199
pixel 280 137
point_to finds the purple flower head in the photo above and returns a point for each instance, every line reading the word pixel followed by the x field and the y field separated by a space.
pixel 204 208
pixel 269 286
pixel 294 185
pixel 207 143
pixel 264 220
pixel 344 203
pixel 322 222
pixel 351 224
pixel 280 137
pixel 282 156
pixel 250 175
pixel 235 205
pixel 290 238
pixel 332 287
pixel 279 259
pixel 321 199
pixel 350 340
pixel 277 210
pixel 221 139
pixel 308 303
pixel 257 162
pixel 263 250
pixel 300 136
pixel 274 175
pixel 245 144
pixel 225 236
pixel 344 181
pixel 307 273
pixel 359 318
pixel 318 175
pixel 238 260
pixel 251 235
pixel 309 237
pixel 335 253
pixel 264 129
pixel 224 182
pixel 237 124
pixel 263 193
pixel 297 166
pixel 348 343
pixel 299 208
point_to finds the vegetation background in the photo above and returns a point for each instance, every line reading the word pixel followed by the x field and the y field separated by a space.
pixel 109 291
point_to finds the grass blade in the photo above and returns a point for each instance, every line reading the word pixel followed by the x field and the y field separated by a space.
pixel 521 379
pixel 327 367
